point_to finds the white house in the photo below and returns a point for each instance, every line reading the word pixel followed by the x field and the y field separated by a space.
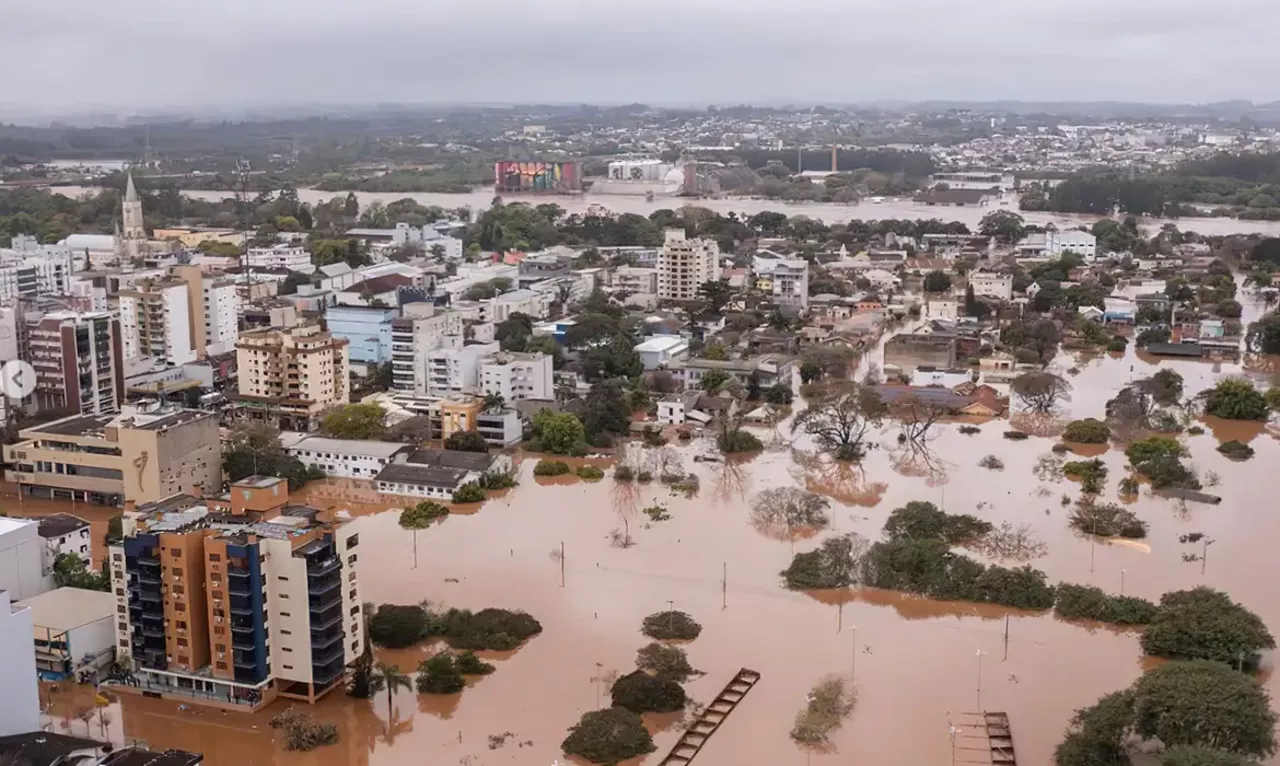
pixel 74 630
pixel 990 285
pixel 1055 243
pixel 22 559
pixel 64 533
pixel 20 702
pixel 661 350
pixel 437 474
pixel 517 376
pixel 347 458
pixel 674 409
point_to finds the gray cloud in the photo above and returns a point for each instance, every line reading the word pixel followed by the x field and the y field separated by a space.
pixel 145 54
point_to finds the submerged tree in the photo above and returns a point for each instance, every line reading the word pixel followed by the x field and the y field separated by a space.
pixel 1041 392
pixel 840 420
pixel 782 511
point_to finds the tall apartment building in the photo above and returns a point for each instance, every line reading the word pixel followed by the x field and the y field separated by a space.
pixel 235 601
pixel 684 264
pixel 78 362
pixel 20 703
pixel 213 308
pixel 634 279
pixel 156 319
pixel 457 370
pixel 516 376
pixel 146 453
pixel 29 270
pixel 289 375
pixel 786 280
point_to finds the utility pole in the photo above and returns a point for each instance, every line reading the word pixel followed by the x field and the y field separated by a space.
pixel 562 564
pixel 853 654
pixel 724 586
pixel 1122 582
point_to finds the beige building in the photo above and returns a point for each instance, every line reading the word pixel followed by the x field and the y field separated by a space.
pixel 144 454
pixel 77 359
pixel 289 375
pixel 684 265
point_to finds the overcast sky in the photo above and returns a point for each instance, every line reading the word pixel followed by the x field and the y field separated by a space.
pixel 78 55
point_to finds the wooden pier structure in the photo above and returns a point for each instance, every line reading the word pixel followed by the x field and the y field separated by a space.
pixel 691 742
pixel 983 738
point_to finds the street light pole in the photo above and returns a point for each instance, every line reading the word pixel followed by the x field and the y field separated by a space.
pixel 853 662
pixel 1122 582
pixel 980 653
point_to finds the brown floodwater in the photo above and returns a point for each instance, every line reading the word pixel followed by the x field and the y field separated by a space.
pixel 917 663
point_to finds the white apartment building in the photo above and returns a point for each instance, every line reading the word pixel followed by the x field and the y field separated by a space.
pixel 456 370
pixel 155 322
pixel 22 560
pixel 684 264
pixel 516 377
pixel 634 279
pixel 280 257
pixel 20 703
pixel 787 280
pixel 422 330
pixel 347 458
pixel 988 285
pixel 63 533
pixel 528 302
pixel 221 315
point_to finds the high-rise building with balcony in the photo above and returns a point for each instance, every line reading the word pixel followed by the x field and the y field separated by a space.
pixel 289 375
pixel 685 264
pixel 237 600
pixel 77 359
pixel 156 321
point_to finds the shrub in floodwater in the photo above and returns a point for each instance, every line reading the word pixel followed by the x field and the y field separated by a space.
pixel 551 468
pixel 608 736
pixel 921 520
pixel 1236 450
pixel 992 462
pixel 1091 473
pixel 831 565
pixel 498 480
pixel 1117 344
pixel 495 629
pixel 304 733
pixel 928 567
pixel 468 664
pixel 669 662
pixel 1107 520
pixel 1085 602
pixel 590 473
pixel 657 513
pixel 1205 624
pixel 969 430
pixel 1195 431
pixel 471 492
pixel 644 477
pixel 1060 449
pixel 439 675
pixel 395 627
pixel 671 625
pixel 830 702
pixel 624 473
pixel 640 692
pixel 1129 486
pixel 1087 431
pixel 1015 435
pixel 737 440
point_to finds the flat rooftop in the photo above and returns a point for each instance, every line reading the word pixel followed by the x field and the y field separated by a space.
pixel 81 425
pixel 67 608
pixel 376 449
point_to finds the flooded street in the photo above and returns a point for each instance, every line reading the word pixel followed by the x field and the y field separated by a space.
pixel 916 661
pixel 829 212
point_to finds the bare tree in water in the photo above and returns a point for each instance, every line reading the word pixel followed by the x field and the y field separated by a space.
pixel 916 418
pixel 1041 392
pixel 842 481
pixel 841 419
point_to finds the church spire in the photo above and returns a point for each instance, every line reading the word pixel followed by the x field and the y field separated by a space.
pixel 130 192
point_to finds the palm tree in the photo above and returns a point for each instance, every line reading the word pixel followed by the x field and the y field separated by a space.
pixel 390 678
pixel 493 402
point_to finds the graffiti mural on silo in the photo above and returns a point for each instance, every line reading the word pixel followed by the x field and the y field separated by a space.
pixel 514 176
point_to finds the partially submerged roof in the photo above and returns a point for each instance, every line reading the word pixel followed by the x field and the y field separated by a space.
pixel 60 524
